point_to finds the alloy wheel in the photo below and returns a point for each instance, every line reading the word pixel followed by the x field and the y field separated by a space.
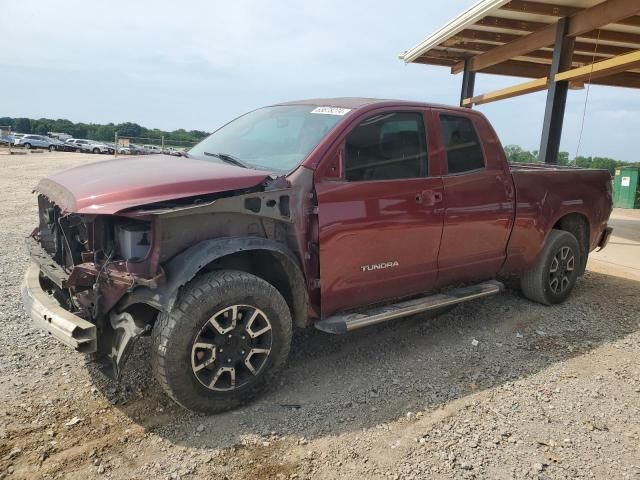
pixel 232 348
pixel 561 270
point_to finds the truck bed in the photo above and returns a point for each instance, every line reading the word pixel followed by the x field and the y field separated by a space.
pixel 546 193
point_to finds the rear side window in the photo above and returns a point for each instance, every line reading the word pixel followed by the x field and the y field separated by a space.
pixel 386 147
pixel 464 152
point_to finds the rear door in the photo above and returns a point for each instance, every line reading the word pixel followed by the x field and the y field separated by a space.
pixel 381 220
pixel 479 199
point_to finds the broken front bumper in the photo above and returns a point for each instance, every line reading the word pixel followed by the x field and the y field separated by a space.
pixel 47 314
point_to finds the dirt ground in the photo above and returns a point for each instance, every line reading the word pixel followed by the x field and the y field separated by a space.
pixel 547 392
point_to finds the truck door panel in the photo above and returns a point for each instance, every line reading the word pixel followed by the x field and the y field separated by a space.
pixel 479 204
pixel 379 236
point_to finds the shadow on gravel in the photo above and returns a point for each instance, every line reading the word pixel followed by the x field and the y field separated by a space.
pixel 338 384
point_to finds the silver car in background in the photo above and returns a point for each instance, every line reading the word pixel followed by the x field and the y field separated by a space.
pixel 36 141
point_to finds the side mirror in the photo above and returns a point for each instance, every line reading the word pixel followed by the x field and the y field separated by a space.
pixel 334 166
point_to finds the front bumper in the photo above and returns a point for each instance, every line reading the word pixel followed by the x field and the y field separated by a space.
pixel 48 315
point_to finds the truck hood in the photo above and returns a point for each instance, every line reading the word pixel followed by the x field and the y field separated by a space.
pixel 110 186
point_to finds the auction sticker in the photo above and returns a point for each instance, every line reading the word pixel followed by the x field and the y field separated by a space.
pixel 331 111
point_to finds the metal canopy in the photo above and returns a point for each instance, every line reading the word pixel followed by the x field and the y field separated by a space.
pixel 478 32
pixel 558 43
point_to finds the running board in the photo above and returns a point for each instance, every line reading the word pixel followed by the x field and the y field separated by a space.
pixel 347 322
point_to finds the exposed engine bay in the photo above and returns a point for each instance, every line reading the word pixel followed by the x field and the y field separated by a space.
pixel 88 263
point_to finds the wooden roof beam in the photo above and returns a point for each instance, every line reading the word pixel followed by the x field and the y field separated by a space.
pixel 583 21
pixel 551 10
pixel 609 72
pixel 522 89
pixel 604 68
pixel 516 48
pixel 476 36
pixel 624 79
pixel 609 11
pixel 467 52
pixel 526 26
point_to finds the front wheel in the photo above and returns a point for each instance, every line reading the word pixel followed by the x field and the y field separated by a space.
pixel 27 146
pixel 51 148
pixel 223 342
pixel 96 150
pixel 556 271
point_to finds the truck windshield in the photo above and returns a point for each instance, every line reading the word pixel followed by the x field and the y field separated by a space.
pixel 272 138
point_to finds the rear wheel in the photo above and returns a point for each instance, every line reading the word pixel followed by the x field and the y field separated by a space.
pixel 556 271
pixel 96 150
pixel 223 341
pixel 27 146
pixel 51 148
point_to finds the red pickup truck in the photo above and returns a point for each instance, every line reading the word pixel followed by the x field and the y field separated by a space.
pixel 336 214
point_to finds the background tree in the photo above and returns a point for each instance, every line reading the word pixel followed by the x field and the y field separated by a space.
pixel 516 154
pixel 22 125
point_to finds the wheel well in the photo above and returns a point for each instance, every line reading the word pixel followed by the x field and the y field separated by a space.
pixel 271 268
pixel 578 225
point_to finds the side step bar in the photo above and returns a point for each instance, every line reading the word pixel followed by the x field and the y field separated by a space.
pixel 352 321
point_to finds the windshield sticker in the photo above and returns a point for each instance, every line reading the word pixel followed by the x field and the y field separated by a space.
pixel 331 111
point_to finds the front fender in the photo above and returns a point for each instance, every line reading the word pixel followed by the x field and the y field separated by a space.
pixel 185 266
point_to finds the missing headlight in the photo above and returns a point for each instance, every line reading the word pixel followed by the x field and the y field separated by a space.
pixel 134 240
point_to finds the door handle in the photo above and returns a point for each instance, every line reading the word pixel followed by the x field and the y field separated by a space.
pixel 428 197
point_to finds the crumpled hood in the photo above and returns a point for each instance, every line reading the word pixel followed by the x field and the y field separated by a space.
pixel 110 186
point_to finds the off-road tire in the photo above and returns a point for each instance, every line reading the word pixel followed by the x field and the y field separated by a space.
pixel 174 335
pixel 535 284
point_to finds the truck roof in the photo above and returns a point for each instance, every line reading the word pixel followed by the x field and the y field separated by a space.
pixel 359 102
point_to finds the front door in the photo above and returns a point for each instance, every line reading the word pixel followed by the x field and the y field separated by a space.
pixel 381 222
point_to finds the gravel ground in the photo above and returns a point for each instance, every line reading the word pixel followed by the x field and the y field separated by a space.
pixel 499 388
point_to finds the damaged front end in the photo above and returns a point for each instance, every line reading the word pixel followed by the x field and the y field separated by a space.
pixel 98 281
pixel 82 266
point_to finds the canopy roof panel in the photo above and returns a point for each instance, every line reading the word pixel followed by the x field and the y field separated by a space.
pixel 516 37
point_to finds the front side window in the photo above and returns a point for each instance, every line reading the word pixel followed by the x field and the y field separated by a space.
pixel 387 146
pixel 464 152
pixel 273 138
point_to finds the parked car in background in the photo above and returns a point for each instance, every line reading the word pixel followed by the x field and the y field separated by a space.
pixel 96 147
pixel 175 151
pixel 151 149
pixel 125 150
pixel 69 145
pixel 36 141
pixel 63 137
pixel 7 140
pixel 78 144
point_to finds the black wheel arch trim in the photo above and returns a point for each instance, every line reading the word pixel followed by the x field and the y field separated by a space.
pixel 186 265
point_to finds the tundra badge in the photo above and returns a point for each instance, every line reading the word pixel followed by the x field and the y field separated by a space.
pixel 379 266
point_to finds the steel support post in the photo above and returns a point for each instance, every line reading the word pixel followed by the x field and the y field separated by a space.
pixel 556 95
pixel 468 84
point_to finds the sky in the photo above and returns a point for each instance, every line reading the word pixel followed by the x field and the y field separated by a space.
pixel 197 64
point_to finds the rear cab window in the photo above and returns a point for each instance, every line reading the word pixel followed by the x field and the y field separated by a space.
pixel 462 146
pixel 387 146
